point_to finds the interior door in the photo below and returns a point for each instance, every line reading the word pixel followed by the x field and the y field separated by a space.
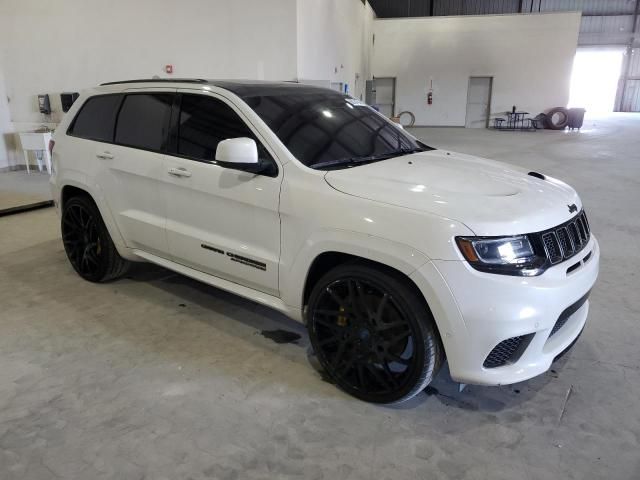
pixel 385 95
pixel 478 102
pixel 132 169
pixel 220 221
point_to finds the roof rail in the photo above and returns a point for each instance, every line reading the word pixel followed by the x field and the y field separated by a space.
pixel 158 80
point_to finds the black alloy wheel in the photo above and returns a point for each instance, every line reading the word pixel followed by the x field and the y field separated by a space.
pixel 87 242
pixel 373 334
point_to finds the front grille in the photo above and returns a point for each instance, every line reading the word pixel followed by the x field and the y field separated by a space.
pixel 566 240
pixel 507 351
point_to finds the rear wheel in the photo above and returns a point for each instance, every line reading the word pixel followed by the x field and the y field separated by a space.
pixel 373 334
pixel 87 242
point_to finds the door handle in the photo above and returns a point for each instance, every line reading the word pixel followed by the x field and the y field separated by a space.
pixel 105 155
pixel 179 172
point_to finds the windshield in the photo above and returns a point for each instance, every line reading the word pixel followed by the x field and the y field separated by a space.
pixel 327 130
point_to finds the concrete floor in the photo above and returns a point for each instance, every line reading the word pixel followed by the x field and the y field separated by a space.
pixel 159 377
pixel 20 188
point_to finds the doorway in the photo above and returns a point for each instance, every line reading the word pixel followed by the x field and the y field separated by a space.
pixel 594 79
pixel 384 95
pixel 478 102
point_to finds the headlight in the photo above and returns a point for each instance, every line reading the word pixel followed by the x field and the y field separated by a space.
pixel 506 255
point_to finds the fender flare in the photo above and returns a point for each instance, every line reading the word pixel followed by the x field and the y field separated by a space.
pixel 293 276
pixel 78 180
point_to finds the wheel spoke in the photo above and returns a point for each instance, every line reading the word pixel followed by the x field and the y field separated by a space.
pixel 399 337
pixel 353 302
pixel 381 306
pixel 339 354
pixel 360 374
pixel 329 340
pixel 397 359
pixel 334 296
pixel 381 380
pixel 328 313
pixel 346 367
pixel 91 257
pixel 331 325
pixel 387 370
pixel 388 326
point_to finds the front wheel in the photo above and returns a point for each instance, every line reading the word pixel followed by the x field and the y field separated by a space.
pixel 373 334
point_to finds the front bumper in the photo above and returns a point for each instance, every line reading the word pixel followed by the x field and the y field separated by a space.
pixel 476 311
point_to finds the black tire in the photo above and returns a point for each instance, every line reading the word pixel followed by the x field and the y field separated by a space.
pixel 373 333
pixel 87 242
pixel 557 118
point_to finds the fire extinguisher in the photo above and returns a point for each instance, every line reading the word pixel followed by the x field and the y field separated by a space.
pixel 430 94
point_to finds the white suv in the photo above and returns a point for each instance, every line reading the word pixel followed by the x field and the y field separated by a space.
pixel 394 254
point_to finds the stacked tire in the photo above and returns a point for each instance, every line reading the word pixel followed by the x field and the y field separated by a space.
pixel 557 118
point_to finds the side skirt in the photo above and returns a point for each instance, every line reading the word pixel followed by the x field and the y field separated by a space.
pixel 242 291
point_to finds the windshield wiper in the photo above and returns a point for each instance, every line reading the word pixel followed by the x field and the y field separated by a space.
pixel 369 159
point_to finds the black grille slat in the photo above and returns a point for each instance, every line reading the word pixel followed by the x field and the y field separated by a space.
pixel 565 242
pixel 575 236
pixel 583 231
pixel 507 351
pixel 552 247
pixel 586 223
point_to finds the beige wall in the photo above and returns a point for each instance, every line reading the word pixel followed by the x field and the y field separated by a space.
pixel 334 42
pixel 529 57
pixel 68 45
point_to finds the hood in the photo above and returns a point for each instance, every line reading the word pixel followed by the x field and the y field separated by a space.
pixel 491 198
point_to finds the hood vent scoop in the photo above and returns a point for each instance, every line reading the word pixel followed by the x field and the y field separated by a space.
pixel 537 175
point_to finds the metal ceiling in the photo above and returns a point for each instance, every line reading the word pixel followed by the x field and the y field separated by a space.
pixel 604 22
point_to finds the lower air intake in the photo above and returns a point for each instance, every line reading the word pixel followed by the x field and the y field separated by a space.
pixel 507 351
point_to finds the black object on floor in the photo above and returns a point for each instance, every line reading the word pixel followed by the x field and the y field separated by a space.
pixel 576 118
pixel 26 208
pixel 281 336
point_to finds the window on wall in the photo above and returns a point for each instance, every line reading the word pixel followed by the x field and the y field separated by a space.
pixel 206 121
pixel 143 121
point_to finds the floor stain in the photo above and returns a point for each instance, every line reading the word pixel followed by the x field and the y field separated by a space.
pixel 281 336
pixel 429 390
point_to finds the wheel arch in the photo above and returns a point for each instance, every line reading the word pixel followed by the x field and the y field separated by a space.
pixel 71 189
pixel 329 260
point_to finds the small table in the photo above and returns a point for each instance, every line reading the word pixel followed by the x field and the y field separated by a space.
pixel 36 141
pixel 516 120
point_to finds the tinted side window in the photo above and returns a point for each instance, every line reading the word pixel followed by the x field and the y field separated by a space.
pixel 143 120
pixel 204 122
pixel 97 118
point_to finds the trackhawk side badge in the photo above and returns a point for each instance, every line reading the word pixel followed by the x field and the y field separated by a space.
pixel 249 262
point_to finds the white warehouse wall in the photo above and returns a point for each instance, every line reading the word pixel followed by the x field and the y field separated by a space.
pixel 68 45
pixel 335 38
pixel 529 57
pixel 6 139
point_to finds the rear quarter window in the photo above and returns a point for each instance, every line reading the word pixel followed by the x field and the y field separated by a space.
pixel 97 118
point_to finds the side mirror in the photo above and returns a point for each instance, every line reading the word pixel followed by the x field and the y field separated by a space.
pixel 240 154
